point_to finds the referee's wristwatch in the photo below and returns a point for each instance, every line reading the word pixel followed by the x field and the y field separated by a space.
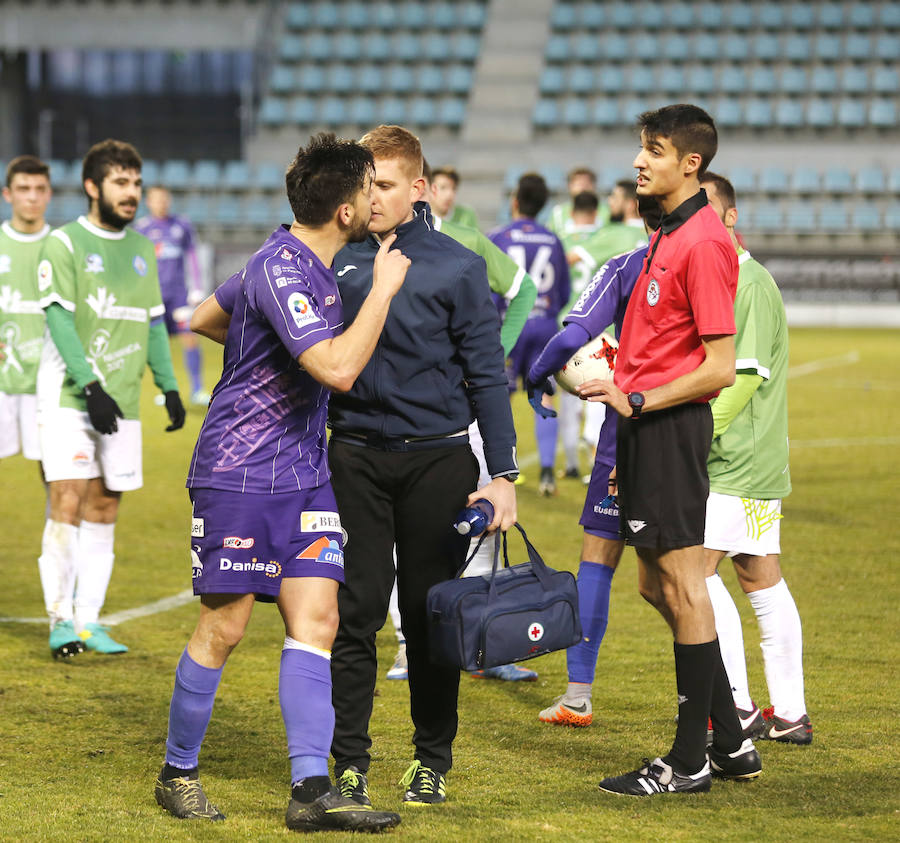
pixel 636 402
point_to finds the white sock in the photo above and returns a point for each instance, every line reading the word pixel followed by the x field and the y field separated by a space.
pixel 394 612
pixel 731 640
pixel 483 561
pixel 94 567
pixel 577 692
pixel 782 647
pixel 570 426
pixel 59 547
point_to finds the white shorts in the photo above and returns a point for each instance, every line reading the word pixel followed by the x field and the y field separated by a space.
pixel 73 450
pixel 742 525
pixel 18 426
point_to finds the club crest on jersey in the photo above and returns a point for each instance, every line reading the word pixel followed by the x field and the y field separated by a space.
pixel 286 255
pixel 301 310
pixel 329 300
pixel 45 275
pixel 5 264
pixel 653 292
pixel 93 263
pixel 276 270
pixel 140 265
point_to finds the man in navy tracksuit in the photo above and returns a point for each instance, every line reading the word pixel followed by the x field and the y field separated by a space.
pixel 401 464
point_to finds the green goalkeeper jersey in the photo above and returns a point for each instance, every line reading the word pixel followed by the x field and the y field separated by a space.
pixel 108 281
pixel 463 215
pixel 21 316
pixel 750 458
pixel 505 276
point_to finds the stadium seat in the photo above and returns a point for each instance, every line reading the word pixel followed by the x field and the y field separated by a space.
pixel 797 48
pixel 149 173
pixel 235 175
pixel 801 16
pixel 866 218
pixel 632 108
pixel 805 180
pixel 622 15
pixel 851 113
pixel 801 218
pixel 612 47
pixel 452 112
pixel 472 16
pixel 709 16
pixel 273 112
pixel 575 113
pixel 793 80
pixel 645 46
pixel 762 80
pixel 773 180
pixel 207 175
pixel 585 47
pixel 258 213
pixel 175 174
pixel 733 79
pixel 59 173
pixel 269 176
pixel 385 16
pixel 889 16
pixel 671 79
pixel 770 16
pixel 392 111
pixel 430 79
pixel 229 212
pixel 831 16
pixel 545 115
pixel 554 176
pixel 414 15
pixel 838 180
pixel 728 112
pixel 291 48
pixel 347 46
pixel 606 113
pixel 553 80
pixel 326 16
pixel 871 179
pixel 767 216
pixel 857 46
pixel 893 180
pixel 399 79
pixel 302 111
pixel 376 46
pixel 743 179
pixel 282 79
pixel 361 111
pixel 436 47
pixel 298 16
pixel 741 17
pixel 443 16
pixel 887 47
pixel 466 47
pixel 641 79
pixel 676 47
pixel 833 218
pixel 883 114
pixel 562 18
pixel 789 113
pixel 706 47
pixel 766 47
pixel 333 111
pixel 758 113
pixel 592 16
pixel 557 48
pixel 700 79
pixel 679 16
pixel 824 79
pixel 861 15
pixel 581 79
pixel 369 79
pixel 310 78
pixel 405 47
pixel 459 79
pixel 318 47
pixel 610 79
pixel 827 47
pixel 341 79
pixel 820 113
pixel 885 79
pixel 511 178
pixel 854 79
pixel 422 112
pixel 892 217
pixel 355 16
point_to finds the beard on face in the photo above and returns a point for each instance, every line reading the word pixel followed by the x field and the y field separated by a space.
pixel 358 231
pixel 620 217
pixel 107 213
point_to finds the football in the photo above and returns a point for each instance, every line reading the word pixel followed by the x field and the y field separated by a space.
pixel 595 360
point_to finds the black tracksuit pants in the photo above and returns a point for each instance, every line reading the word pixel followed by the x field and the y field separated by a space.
pixel 408 499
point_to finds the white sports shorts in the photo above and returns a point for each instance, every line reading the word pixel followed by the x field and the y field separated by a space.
pixel 742 525
pixel 73 450
pixel 18 426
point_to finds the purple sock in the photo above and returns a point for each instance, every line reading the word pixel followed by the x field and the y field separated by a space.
pixel 192 362
pixel 594 583
pixel 190 710
pixel 304 689
pixel 545 433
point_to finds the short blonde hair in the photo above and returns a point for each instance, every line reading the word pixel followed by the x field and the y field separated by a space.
pixel 395 142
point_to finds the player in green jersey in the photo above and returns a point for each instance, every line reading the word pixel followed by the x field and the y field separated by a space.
pixel 27 190
pixel 748 477
pixel 445 183
pixel 579 180
pixel 100 293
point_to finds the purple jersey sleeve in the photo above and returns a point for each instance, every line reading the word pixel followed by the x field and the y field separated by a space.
pixel 557 352
pixel 226 293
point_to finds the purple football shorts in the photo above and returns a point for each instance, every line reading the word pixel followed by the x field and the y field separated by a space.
pixel 600 518
pixel 173 299
pixel 246 544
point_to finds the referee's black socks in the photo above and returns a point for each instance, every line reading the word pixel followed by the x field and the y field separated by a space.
pixel 695 669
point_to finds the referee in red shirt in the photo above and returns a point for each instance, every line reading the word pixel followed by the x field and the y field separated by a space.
pixel 676 351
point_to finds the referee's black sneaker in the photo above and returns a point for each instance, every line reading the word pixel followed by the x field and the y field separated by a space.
pixel 333 812
pixel 183 797
pixel 424 786
pixel 743 763
pixel 657 777
pixel 355 785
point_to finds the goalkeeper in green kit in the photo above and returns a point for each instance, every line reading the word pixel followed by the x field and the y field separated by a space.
pixel 99 289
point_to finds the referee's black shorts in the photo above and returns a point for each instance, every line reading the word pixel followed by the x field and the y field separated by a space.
pixel 662 476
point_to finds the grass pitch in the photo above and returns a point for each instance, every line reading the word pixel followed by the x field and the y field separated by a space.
pixel 82 741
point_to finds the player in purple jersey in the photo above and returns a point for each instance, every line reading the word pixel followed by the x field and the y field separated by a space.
pixel 176 260
pixel 539 252
pixel 602 304
pixel 265 523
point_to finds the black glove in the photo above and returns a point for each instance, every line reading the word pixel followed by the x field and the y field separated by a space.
pixel 536 391
pixel 102 408
pixel 175 409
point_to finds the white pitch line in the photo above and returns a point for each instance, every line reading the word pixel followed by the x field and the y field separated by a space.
pixel 825 363
pixel 116 618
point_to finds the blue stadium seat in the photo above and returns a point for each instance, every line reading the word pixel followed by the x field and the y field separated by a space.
pixel 466 47
pixel 443 16
pixel 893 180
pixel 229 212
pixel 303 111
pixel 762 80
pixel 727 112
pixel 797 48
pixel 459 79
pixel 889 16
pixel 269 176
pixel 706 47
pixel 369 78
pixel 149 173
pixel 563 18
pixel 885 79
pixel 833 218
pixel 318 47
pixel 631 108
pixel 871 179
pixel 851 113
pixel 789 113
pixel 770 16
pixel 645 46
pixel 801 16
pixel 176 174
pixel 671 79
pixel 361 111
pixel 59 170
pixel 767 216
pixel 793 80
pixel 452 112
pixel 273 112
pixel 743 179
pixel 405 46
pixel 892 217
pixel 472 16
pixel 67 174
pixel 207 175
pixel 866 218
pixel 376 46
pixel 298 16
pixel 575 113
pixel 333 111
pixel 610 79
pixel 855 79
pixel 622 16
pixel 679 16
pixel 236 175
pixel 700 79
pixel 741 17
pixel 585 47
pixel 436 47
pixel 511 178
pixel 820 113
pixel 861 15
pixel 546 114
pixel 887 47
pixel 858 46
pixel 356 16
pixel 758 113
pixel 606 113
pixel 612 47
pixel 326 16
pixel 554 176
pixel 736 46
pixel 386 16
pixel 392 111
pixel 414 15
pixel 258 213
pixel 341 79
pixel 553 80
pixel 765 46
pixel 430 79
pixel 347 46
pixel 676 47
pixel 641 79
pixel 196 209
pixel 733 79
pixel 399 79
pixel 592 16
pixel 282 80
pixel 422 112
pixel 291 48
pixel 827 47
pixel 557 48
pixel 831 16
pixel 838 180
pixel 824 79
pixel 805 180
pixel 883 113
pixel 581 79
pixel 773 180
pixel 310 78
pixel 710 16
pixel 801 218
